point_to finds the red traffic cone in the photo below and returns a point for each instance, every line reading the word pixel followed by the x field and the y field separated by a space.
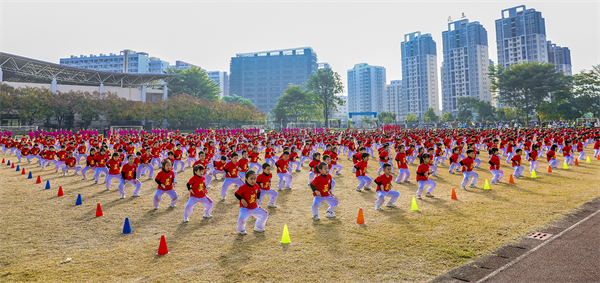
pixel 576 162
pixel 162 247
pixel 12 166
pixel 511 180
pixel 60 192
pixel 361 218
pixel 23 172
pixel 549 169
pixel 3 161
pixel 39 180
pixel 454 194
pixel 98 210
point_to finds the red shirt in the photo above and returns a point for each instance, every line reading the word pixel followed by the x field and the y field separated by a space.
pixel 201 162
pixel 81 149
pixel 243 164
pixel 177 153
pixel 384 181
pixel 423 172
pixel 567 151
pixel 384 156
pixel 361 168
pixel 494 163
pixel 314 166
pixel 100 159
pixel 264 181
pixel 165 178
pixel 113 167
pixel 334 158
pixel 219 166
pixel 401 160
pixel 550 155
pixel 533 155
pixel 249 194
pixel 146 159
pixel 322 184
pixel 62 155
pixel 91 161
pixel 269 152
pixel 516 160
pixel 232 170
pixel 70 162
pixel 197 184
pixel 467 164
pixel 282 165
pixel 130 171
pixel 253 157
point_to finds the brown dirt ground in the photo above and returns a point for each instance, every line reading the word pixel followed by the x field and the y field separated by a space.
pixel 396 244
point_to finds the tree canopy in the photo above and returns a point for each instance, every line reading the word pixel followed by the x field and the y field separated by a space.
pixel 238 99
pixel 325 84
pixel 430 116
pixel 296 105
pixel 387 117
pixel 195 82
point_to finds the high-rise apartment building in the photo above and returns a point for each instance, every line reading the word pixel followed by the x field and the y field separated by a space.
pixel 391 100
pixel 465 64
pixel 366 88
pixel 521 36
pixel 128 61
pixel 419 75
pixel 560 57
pixel 223 79
pixel 262 77
pixel 342 110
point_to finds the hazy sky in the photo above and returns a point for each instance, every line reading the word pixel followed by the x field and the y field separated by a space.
pixel 208 34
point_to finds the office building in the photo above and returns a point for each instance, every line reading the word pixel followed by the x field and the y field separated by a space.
pixel 560 57
pixel 465 64
pixel 222 79
pixel 342 110
pixel 366 88
pixel 324 65
pixel 521 36
pixel 391 99
pixel 419 75
pixel 180 65
pixel 262 77
pixel 127 61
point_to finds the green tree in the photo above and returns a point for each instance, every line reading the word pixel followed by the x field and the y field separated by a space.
pixel 387 117
pixel 238 99
pixel 34 104
pixel 296 104
pixel 526 85
pixel 485 111
pixel 195 82
pixel 411 118
pixel 326 84
pixel 429 116
pixel 466 105
pixel 586 90
pixel 447 117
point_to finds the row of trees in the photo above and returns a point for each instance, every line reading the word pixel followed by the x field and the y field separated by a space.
pixel 32 105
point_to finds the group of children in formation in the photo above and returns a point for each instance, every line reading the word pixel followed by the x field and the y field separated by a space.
pixel 237 159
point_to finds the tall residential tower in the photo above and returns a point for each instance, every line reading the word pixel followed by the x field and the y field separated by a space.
pixel 560 57
pixel 366 88
pixel 521 36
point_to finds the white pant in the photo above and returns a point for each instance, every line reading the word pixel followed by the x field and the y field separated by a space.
pixel 253 165
pixel 518 170
pixel 100 170
pixel 86 168
pixel 66 168
pixel 533 165
pixel 206 201
pixel 403 175
pixel 215 172
pixel 80 155
pixel 434 169
pixel 191 160
pixel 284 177
pixel 569 160
pixel 454 166
pixel 207 179
pixel 155 160
pixel 393 195
pixel 582 155
pixel 467 175
pixel 440 160
pixel 297 163
pixel 336 168
pixel 110 177
pixel 364 182
pixel 228 182
pixel 181 165
pixel 260 214
pixel 47 161
pixel 137 186
pixel 330 200
pixel 159 193
pixel 271 161
pixel 381 167
pixel 498 174
pixel 554 163
pixel 146 167
pixel 422 184
pixel 311 176
pixel 271 193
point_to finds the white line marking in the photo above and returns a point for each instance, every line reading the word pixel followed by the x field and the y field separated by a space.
pixel 535 249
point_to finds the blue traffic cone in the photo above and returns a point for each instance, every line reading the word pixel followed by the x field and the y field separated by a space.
pixel 8 163
pixel 47 184
pixel 126 227
pixel 18 169
pixel 30 176
pixel 78 202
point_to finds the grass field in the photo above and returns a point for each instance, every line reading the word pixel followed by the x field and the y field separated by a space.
pixel 396 244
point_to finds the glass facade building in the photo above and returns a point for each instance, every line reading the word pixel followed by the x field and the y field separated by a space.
pixel 262 77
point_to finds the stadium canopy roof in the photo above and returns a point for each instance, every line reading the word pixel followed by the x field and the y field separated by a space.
pixel 32 67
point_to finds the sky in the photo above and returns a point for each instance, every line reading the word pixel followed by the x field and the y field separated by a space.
pixel 208 34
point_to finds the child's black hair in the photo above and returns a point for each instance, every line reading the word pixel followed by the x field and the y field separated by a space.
pixel 364 155
pixel 265 165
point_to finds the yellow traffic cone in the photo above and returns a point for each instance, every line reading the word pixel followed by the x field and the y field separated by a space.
pixel 587 160
pixel 285 238
pixel 414 205
pixel 533 174
pixel 565 166
pixel 487 185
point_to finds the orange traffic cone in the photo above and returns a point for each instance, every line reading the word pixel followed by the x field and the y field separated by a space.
pixel 162 247
pixel 511 180
pixel 23 172
pixel 99 210
pixel 60 192
pixel 454 194
pixel 576 162
pixel 39 180
pixel 549 169
pixel 598 157
pixel 361 218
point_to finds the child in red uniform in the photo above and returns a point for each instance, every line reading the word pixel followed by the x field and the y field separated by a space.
pixel 468 163
pixel 90 163
pixel 101 157
pixel 361 173
pixel 551 156
pixel 533 155
pixel 248 194
pixel 454 162
pixel 321 187
pixel 495 166
pixel 219 166
pixel 164 179
pixel 178 154
pixel 401 161
pixel 196 186
pixel 264 182
pixel 423 177
pixel 314 170
pixel 384 157
pixel 516 163
pixel 114 170
pixel 254 158
pixel 70 163
pixel 384 184
pixel 282 172
pixel 243 164
pixel 129 176
pixel 62 156
pixel 580 149
pixel 335 167
pixel 567 149
pixel 232 175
